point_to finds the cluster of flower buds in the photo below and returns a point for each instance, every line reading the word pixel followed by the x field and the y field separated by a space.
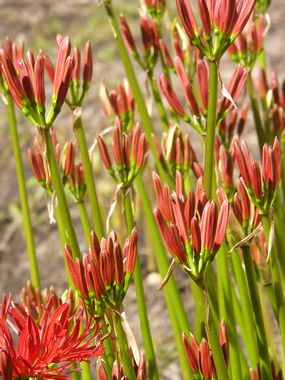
pixel 272 96
pixel 261 187
pixel 249 44
pixel 198 107
pixel 27 86
pixel 15 52
pixel 177 154
pixel 200 357
pixel 155 8
pixel 231 125
pixel 119 103
pixel 191 227
pixel 39 163
pixel 48 347
pixel 35 300
pixel 129 152
pixel 222 21
pixel 150 41
pixel 73 174
pixel 80 76
pixel 103 275
pixel 118 371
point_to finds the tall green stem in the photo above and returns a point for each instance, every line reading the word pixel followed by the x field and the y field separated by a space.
pixel 276 281
pixel 26 217
pixel 213 339
pixel 88 175
pixel 256 307
pixel 59 191
pixel 84 220
pixel 139 98
pixel 249 336
pixel 140 297
pixel 227 298
pixel 124 346
pixel 209 164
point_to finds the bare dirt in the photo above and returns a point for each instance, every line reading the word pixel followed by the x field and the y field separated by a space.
pixel 37 23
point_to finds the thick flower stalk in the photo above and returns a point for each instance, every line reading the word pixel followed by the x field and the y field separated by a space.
pixel 129 152
pixel 191 227
pixel 103 275
pixel 47 348
pixel 200 356
pixel 119 103
pixel 222 22
pixel 261 186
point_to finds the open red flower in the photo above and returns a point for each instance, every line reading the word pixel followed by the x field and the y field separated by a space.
pixel 46 349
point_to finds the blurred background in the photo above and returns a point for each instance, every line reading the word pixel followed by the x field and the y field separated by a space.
pixel 37 23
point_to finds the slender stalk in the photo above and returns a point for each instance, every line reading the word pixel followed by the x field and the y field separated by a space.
pixel 26 217
pixel 139 98
pixel 84 220
pixel 140 297
pixel 256 114
pixel 65 216
pixel 227 298
pixel 88 175
pixel 276 281
pixel 176 311
pixel 249 336
pixel 124 347
pixel 209 164
pixel 213 339
pixel 256 307
pixel 158 101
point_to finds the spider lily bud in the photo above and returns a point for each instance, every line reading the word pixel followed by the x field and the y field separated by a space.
pixel 179 154
pixel 192 236
pixel 155 8
pixel 200 357
pixel 235 120
pixel 226 168
pixel 73 173
pixel 220 24
pixel 118 102
pixel 247 47
pixel 262 191
pixel 103 275
pixel 129 152
pixel 128 37
pixel 39 162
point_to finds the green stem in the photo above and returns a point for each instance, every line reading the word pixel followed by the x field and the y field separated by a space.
pixel 209 176
pixel 26 217
pixel 158 101
pixel 213 339
pixel 61 232
pixel 276 281
pixel 249 336
pixel 65 216
pixel 256 307
pixel 140 297
pixel 139 98
pixel 283 166
pixel 124 347
pixel 88 175
pixel 84 220
pixel 227 298
pixel 176 311
pixel 256 114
